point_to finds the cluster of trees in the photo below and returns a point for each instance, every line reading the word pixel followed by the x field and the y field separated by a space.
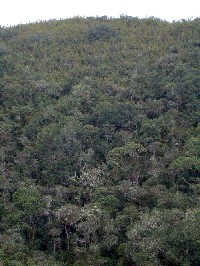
pixel 100 143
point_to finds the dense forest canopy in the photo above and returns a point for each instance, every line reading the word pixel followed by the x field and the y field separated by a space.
pixel 100 142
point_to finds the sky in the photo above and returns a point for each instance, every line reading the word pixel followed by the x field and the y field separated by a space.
pixel 14 12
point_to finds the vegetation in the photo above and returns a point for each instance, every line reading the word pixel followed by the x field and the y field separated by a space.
pixel 100 143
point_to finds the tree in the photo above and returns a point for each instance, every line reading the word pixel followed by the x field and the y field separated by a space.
pixel 163 237
pixel 126 161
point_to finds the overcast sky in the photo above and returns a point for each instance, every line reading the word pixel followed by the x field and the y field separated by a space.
pixel 15 12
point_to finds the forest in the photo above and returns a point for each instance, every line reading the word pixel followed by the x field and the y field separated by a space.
pixel 100 142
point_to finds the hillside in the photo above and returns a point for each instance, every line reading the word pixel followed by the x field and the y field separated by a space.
pixel 100 143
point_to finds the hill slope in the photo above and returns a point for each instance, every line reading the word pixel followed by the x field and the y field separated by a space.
pixel 100 140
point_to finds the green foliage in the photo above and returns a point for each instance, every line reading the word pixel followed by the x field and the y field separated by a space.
pixel 99 135
pixel 101 33
pixel 165 237
pixel 28 200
